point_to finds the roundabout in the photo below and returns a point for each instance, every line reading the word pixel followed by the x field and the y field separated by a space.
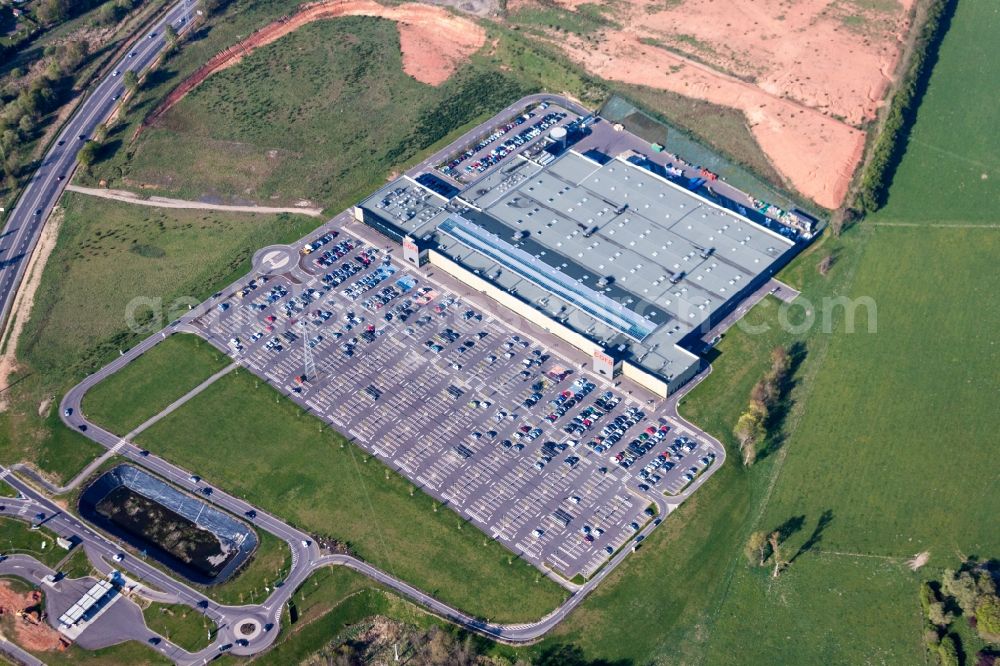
pixel 274 258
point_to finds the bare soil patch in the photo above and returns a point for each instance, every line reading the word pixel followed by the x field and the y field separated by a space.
pixel 25 613
pixel 25 300
pixel 434 43
pixel 807 75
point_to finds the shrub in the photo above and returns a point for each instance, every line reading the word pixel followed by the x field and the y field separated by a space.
pixel 948 651
pixel 988 618
pixel 927 597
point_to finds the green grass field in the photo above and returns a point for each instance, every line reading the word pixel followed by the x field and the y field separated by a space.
pixel 171 257
pixel 330 600
pixel 322 114
pixel 108 254
pixel 77 565
pixel 17 537
pixel 145 387
pixel 893 433
pixel 269 563
pixel 905 417
pixel 180 624
pixel 131 653
pixel 952 164
pixel 242 435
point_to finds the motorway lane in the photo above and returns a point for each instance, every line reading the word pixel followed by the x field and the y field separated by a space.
pixel 25 221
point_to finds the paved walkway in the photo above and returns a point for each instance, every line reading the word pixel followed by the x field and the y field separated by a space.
pixel 164 202
pixel 169 409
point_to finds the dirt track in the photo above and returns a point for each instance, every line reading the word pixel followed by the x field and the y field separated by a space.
pixel 434 43
pixel 164 202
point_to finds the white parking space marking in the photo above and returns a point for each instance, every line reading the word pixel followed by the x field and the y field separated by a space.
pixel 394 385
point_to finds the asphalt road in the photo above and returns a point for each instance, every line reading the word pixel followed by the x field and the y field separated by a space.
pixel 27 218
pixel 306 557
pixel 16 244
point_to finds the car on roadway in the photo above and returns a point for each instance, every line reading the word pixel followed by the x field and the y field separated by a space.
pixel 116 72
pixel 68 411
pixel 251 514
pixel 194 478
pixel 119 557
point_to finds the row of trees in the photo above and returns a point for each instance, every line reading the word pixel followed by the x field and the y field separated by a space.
pixel 751 427
pixel 970 592
pixel 91 149
pixel 113 11
pixel 26 97
pixel 891 142
pixel 381 640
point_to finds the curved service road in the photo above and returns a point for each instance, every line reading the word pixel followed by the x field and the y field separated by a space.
pixel 20 235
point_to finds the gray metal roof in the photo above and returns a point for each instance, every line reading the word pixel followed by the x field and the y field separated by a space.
pixel 624 233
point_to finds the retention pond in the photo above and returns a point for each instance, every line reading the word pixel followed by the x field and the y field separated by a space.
pixel 194 539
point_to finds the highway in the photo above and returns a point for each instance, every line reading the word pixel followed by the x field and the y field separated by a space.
pixel 26 220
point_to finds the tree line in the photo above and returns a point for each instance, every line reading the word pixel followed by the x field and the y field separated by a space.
pixel 27 97
pixel 751 427
pixel 891 142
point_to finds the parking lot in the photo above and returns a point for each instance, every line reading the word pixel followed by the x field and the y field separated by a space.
pixel 552 461
pixel 506 139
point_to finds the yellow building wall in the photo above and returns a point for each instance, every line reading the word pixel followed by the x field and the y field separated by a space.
pixel 512 303
pixel 645 379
